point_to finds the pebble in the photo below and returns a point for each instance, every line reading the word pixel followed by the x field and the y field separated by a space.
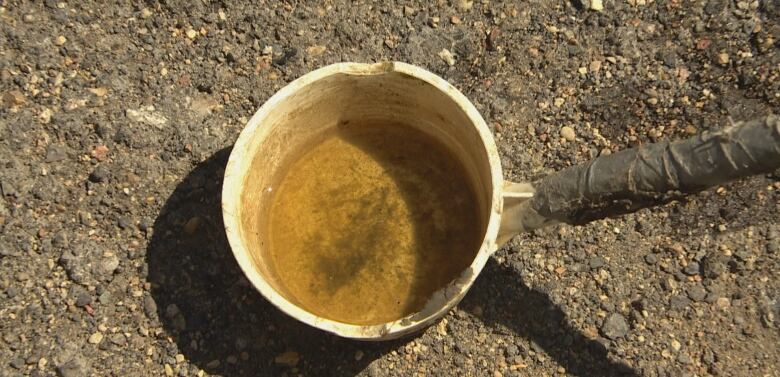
pixel 109 265
pixel 119 339
pixel 99 174
pixel 679 302
pixel 168 370
pixel 465 5
pixel 289 358
pixel 126 222
pixel 683 358
pixel 692 268
pixel 723 58
pixel 13 98
pixel 675 345
pixel 568 133
pixel 150 307
pixel 712 266
pixel 22 276
pixel 60 40
pixel 723 303
pixel 697 293
pixel 615 326
pixel 55 153
pixel 146 13
pixel 95 338
pixel 597 5
pixel 447 56
pixel 773 246
pixel 596 262
pixel 192 225
pixel 17 363
pixel 192 34
pixel 146 116
pixel 651 259
pixel 75 367
pixel 83 299
pixel 408 11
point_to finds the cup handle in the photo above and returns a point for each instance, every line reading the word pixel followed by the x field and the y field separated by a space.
pixel 517 215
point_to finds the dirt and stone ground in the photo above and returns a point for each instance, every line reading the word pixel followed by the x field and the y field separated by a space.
pixel 117 119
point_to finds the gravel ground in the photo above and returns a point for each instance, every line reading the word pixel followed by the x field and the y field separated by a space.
pixel 116 122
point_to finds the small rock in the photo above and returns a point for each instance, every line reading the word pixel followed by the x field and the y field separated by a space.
pixel 289 358
pixel 55 153
pixel 119 339
pixel 675 345
pixel 615 326
pixel 146 13
pixel 146 116
pixel 75 367
pixel 95 338
pixel 596 263
pixel 45 116
pixel 723 58
pixel 100 91
pixel 568 134
pixel 465 5
pixel 723 303
pixel 100 174
pixel 109 265
pixel 213 364
pixel 145 224
pixel 692 268
pixel 651 259
pixel 168 370
pixel 679 302
pixel 105 298
pixel 773 246
pixel 172 311
pixel 100 153
pixel 192 34
pixel 683 358
pixel 316 50
pixel 512 350
pixel 697 293
pixel 713 266
pixel 408 11
pixel 192 225
pixel 596 5
pixel 83 299
pixel 447 56
pixel 60 40
pixel 13 98
pixel 126 222
pixel 17 363
pixel 22 276
pixel 150 307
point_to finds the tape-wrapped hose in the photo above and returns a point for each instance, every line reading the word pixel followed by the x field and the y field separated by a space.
pixel 657 173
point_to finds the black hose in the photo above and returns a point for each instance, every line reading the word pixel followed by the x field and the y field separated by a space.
pixel 657 173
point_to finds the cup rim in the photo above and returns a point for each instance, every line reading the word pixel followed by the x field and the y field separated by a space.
pixel 443 300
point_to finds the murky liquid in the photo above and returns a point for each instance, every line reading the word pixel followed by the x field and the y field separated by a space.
pixel 366 225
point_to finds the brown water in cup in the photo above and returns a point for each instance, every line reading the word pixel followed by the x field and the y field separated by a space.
pixel 367 223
